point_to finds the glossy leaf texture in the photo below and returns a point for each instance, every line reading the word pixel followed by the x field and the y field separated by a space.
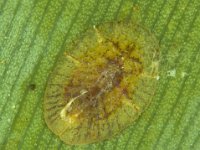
pixel 33 33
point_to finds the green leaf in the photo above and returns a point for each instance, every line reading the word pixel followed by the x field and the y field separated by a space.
pixel 33 33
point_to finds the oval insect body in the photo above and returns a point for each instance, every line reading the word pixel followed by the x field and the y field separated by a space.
pixel 102 84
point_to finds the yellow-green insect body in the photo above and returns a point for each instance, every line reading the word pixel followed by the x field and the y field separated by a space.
pixel 102 83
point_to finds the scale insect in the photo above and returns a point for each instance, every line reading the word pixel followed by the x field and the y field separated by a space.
pixel 102 83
